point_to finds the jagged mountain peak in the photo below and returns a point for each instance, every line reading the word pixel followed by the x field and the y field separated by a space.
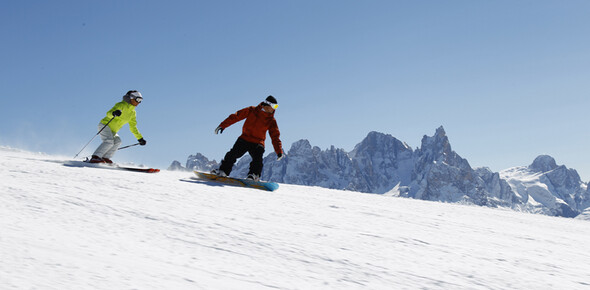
pixel 300 147
pixel 176 166
pixel 440 131
pixel 303 143
pixel 438 148
pixel 380 142
pixel 200 156
pixel 439 141
pixel 548 188
pixel 543 163
pixel 200 162
pixel 375 136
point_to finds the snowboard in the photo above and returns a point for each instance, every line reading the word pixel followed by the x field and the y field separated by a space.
pixel 110 166
pixel 264 185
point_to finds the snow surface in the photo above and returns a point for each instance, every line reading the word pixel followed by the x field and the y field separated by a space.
pixel 91 228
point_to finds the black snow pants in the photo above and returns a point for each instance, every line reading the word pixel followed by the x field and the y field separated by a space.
pixel 240 148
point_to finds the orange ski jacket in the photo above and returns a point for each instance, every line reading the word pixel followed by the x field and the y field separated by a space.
pixel 257 123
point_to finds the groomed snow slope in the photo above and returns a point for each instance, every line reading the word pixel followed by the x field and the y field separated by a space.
pixel 87 228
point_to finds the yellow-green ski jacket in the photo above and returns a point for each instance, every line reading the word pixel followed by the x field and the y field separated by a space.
pixel 128 115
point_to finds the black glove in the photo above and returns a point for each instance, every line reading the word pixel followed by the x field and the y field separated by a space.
pixel 117 113
pixel 141 141
pixel 218 130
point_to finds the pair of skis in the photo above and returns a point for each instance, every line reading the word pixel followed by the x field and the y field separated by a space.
pixel 111 166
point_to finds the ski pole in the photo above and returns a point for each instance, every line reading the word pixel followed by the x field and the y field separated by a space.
pixel 94 136
pixel 128 146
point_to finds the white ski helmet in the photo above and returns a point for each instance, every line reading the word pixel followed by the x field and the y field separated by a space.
pixel 133 95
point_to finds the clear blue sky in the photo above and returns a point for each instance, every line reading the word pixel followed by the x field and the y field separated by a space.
pixel 507 79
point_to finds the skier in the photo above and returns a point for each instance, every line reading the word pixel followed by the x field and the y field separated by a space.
pixel 122 113
pixel 259 119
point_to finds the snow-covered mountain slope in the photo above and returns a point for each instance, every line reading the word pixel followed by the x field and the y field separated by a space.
pixel 544 187
pixel 90 228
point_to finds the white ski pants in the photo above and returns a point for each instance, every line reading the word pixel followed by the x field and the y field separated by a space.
pixel 110 142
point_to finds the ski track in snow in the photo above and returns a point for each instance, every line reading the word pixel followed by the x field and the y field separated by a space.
pixel 90 228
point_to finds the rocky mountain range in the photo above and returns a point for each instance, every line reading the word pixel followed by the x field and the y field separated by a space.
pixel 382 164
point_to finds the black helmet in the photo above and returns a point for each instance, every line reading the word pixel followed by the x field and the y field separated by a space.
pixel 271 101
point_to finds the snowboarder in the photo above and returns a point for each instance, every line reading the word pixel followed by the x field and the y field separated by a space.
pixel 122 113
pixel 259 120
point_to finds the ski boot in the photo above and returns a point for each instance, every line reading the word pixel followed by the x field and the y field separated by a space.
pixel 96 159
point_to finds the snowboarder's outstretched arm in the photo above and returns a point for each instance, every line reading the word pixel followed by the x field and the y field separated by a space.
pixel 236 117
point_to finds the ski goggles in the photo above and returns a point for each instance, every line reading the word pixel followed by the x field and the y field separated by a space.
pixel 135 95
pixel 274 106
